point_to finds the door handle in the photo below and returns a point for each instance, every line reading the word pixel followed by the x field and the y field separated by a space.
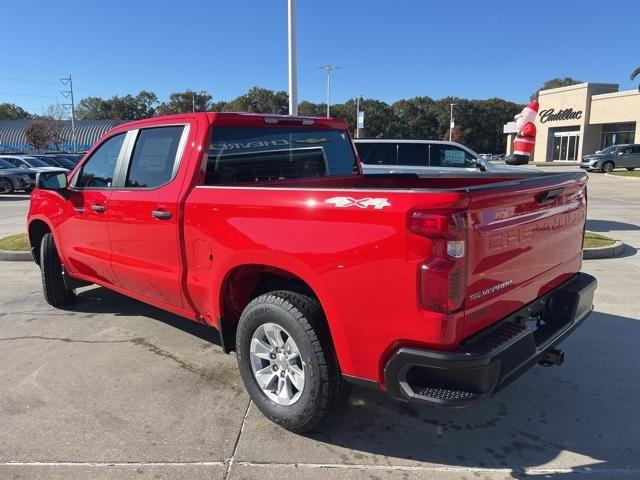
pixel 161 214
pixel 98 208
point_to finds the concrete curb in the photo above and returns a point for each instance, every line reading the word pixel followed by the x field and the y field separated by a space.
pixel 604 252
pixel 623 177
pixel 11 256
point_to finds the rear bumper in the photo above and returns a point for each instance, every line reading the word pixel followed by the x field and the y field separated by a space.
pixel 488 361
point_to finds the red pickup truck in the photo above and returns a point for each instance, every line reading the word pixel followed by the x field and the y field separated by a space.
pixel 439 290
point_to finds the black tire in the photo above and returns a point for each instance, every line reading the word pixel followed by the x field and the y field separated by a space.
pixel 631 169
pixel 607 167
pixel 55 292
pixel 6 185
pixel 324 388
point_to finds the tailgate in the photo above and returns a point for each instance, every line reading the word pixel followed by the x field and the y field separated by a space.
pixel 525 238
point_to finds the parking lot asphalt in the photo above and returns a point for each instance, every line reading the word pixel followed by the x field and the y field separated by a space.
pixel 13 213
pixel 113 388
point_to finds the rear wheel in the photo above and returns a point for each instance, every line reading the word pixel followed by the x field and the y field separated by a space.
pixel 6 186
pixel 607 167
pixel 56 293
pixel 287 362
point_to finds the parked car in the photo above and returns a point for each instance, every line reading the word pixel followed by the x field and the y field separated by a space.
pixel 438 289
pixel 28 162
pixel 423 157
pixel 12 178
pixel 59 161
pixel 616 156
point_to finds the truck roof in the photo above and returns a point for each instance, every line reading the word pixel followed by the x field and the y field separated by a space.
pixel 245 119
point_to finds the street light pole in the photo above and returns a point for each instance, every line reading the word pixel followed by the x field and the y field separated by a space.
pixel 451 121
pixel 293 69
pixel 329 69
pixel 358 116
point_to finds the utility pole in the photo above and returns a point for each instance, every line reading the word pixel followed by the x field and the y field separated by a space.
pixel 293 69
pixel 69 94
pixel 329 69
pixel 193 102
pixel 451 124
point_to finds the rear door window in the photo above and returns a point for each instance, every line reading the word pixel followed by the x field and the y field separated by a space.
pixel 378 153
pixel 443 155
pixel 253 154
pixel 154 157
pixel 413 154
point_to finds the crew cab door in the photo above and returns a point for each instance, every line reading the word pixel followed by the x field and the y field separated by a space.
pixel 143 213
pixel 83 233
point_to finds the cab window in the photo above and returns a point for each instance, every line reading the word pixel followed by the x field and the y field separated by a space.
pixel 98 170
pixel 154 156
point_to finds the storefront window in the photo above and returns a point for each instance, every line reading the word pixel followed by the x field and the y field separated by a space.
pixel 617 133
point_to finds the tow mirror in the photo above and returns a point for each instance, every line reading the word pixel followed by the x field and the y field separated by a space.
pixel 51 180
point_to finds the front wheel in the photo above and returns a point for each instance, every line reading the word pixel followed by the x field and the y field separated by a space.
pixel 6 186
pixel 287 362
pixel 607 167
pixel 56 293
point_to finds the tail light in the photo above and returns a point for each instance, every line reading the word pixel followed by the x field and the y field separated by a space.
pixel 442 279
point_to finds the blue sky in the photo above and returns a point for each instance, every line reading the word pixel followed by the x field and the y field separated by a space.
pixel 387 49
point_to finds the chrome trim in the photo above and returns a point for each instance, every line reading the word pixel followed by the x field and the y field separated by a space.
pixel 122 165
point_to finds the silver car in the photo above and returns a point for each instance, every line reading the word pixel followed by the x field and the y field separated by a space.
pixel 28 162
pixel 12 178
pixel 424 157
pixel 616 156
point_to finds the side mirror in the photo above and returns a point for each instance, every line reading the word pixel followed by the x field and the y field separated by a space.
pixel 620 153
pixel 51 180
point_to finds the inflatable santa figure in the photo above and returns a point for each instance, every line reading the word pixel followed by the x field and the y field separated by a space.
pixel 526 136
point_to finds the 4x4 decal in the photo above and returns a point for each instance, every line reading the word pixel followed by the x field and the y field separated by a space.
pixel 343 202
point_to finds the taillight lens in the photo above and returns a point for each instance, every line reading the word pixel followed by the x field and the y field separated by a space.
pixel 442 279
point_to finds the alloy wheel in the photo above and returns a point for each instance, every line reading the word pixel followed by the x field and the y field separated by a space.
pixel 276 364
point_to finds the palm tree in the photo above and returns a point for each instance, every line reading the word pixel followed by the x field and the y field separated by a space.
pixel 635 74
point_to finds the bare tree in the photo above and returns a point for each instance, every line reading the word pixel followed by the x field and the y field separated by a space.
pixel 38 134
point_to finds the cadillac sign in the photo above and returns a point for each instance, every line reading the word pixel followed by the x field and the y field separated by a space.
pixel 550 115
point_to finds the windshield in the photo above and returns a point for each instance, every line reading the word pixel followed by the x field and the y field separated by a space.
pixel 5 164
pixel 35 162
pixel 610 150
pixel 65 162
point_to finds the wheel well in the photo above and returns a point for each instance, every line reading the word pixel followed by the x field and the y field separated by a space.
pixel 245 283
pixel 37 230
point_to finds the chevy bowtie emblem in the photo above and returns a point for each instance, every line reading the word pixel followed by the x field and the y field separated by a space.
pixel 343 202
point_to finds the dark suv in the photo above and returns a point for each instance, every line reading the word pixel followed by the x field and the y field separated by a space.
pixel 616 156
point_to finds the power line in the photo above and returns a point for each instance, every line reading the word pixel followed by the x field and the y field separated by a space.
pixel 13 79
pixel 26 95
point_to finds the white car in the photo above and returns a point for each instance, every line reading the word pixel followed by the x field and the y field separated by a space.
pixel 31 163
pixel 423 157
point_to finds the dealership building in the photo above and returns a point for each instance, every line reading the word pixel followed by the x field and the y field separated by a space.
pixel 579 119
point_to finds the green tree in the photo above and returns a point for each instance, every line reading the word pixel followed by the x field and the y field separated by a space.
pixel 129 107
pixel 556 83
pixel 260 100
pixel 184 102
pixel 10 111
pixel 417 118
pixel 38 134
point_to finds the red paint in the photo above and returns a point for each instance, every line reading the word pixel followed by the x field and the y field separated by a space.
pixel 362 262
